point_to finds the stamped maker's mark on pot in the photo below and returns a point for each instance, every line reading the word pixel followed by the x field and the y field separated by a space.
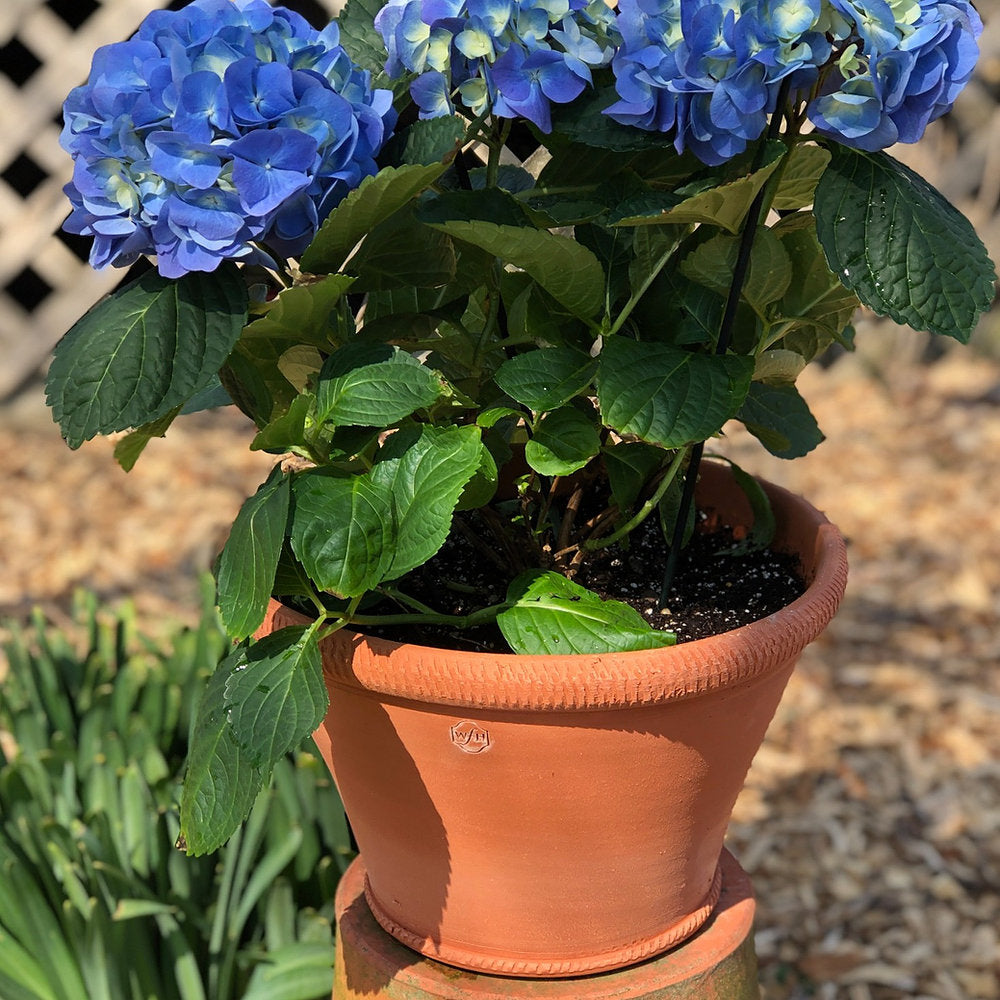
pixel 469 737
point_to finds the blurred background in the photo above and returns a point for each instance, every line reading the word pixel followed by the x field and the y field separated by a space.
pixel 870 823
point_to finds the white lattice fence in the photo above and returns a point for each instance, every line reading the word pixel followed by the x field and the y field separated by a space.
pixel 45 281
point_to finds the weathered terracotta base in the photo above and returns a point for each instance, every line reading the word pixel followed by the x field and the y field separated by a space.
pixel 718 963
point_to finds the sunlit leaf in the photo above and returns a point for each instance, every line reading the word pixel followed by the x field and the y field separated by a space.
pixel 373 385
pixel 342 531
pixel 424 470
pixel 550 614
pixel 247 564
pixel 546 378
pixel 564 441
pixel 275 696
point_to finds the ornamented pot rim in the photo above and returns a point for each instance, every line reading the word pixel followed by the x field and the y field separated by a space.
pixel 594 682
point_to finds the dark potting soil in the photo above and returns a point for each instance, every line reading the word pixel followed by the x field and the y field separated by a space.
pixel 714 589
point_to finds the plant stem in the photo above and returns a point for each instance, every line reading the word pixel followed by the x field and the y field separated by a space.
pixel 569 516
pixel 644 511
pixel 479 617
pixel 410 602
pixel 500 132
pixel 680 525
pixel 496 320
pixel 343 618
pixel 638 293
pixel 546 507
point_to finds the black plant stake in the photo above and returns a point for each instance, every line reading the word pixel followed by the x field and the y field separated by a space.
pixel 747 236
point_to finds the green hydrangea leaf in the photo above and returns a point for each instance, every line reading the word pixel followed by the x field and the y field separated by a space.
pixel 300 365
pixel 301 313
pixel 778 365
pixel 575 164
pixel 287 431
pixel 370 203
pixel 711 264
pixel 145 349
pixel 584 124
pixel 431 140
pixel 130 447
pixel 667 396
pixel 212 397
pixel 373 385
pixel 679 311
pixel 252 376
pixel 550 614
pixel 910 255
pixel 763 523
pixel 725 205
pixel 485 205
pixel 424 470
pixel 482 487
pixel 363 43
pixel 799 177
pixel 246 568
pixel 222 779
pixel 630 465
pixel 546 378
pixel 569 272
pixel 564 441
pixel 342 531
pixel 275 696
pixel 815 301
pixel 400 253
pixel 780 419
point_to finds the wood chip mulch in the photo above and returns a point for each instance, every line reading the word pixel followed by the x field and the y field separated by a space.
pixel 870 822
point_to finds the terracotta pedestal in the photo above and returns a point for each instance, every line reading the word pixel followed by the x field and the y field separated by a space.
pixel 718 963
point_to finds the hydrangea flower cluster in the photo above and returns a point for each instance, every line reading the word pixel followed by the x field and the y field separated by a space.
pixel 712 70
pixel 902 64
pixel 512 58
pixel 216 127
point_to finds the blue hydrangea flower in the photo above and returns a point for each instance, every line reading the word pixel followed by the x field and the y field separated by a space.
pixel 873 21
pixel 514 58
pixel 710 71
pixel 855 115
pixel 217 131
pixel 891 88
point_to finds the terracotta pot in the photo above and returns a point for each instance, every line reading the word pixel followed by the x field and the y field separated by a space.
pixel 561 815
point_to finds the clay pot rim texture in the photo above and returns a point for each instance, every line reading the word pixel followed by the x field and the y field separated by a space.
pixel 593 682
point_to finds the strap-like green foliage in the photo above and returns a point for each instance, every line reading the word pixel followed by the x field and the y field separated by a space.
pixel 96 901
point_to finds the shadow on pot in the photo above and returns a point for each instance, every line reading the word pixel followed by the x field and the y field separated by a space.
pixel 406 845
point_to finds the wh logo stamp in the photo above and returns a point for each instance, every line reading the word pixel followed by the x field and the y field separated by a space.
pixel 469 737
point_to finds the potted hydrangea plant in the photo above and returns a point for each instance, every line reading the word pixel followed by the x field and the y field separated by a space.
pixel 489 274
